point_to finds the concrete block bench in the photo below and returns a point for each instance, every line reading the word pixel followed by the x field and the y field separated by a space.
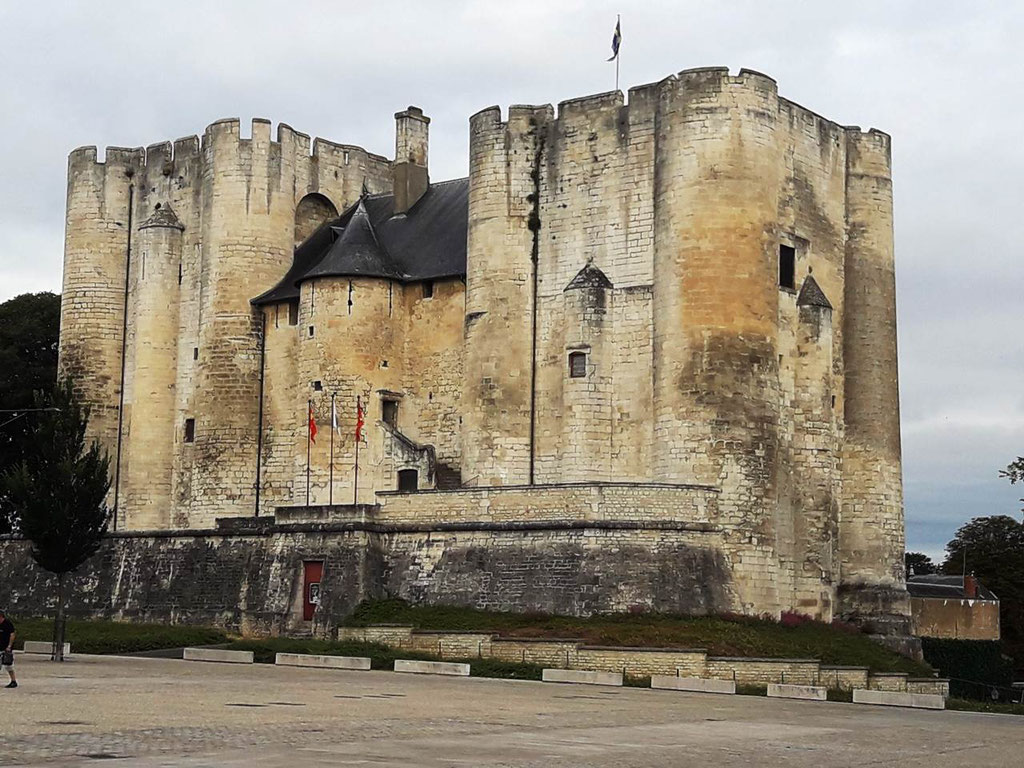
pixel 894 699
pixel 44 646
pixel 218 654
pixel 580 676
pixel 432 667
pixel 807 692
pixel 693 684
pixel 323 662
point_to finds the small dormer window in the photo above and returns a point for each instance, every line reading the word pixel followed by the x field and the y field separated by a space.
pixel 577 365
pixel 428 289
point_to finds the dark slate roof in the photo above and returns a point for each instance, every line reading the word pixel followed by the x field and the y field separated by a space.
pixel 811 295
pixel 426 243
pixel 163 216
pixel 589 277
pixel 946 587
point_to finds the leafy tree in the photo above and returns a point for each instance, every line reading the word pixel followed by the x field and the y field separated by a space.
pixel 59 492
pixel 1015 473
pixel 29 326
pixel 992 548
pixel 919 564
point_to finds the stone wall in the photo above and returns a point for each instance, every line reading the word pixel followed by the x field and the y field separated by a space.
pixel 954 618
pixel 190 335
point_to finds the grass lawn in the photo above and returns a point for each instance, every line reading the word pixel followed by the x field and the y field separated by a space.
pixel 118 637
pixel 720 636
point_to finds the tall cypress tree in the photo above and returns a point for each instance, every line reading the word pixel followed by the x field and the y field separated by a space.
pixel 58 492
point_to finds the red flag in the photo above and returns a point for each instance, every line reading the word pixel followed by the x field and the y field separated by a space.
pixel 312 424
pixel 359 420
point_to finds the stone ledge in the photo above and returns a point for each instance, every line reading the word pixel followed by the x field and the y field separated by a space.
pixel 44 647
pixel 582 677
pixel 219 655
pixel 807 692
pixel 893 699
pixel 324 662
pixel 693 684
pixel 431 667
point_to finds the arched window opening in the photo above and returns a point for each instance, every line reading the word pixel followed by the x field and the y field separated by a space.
pixel 312 211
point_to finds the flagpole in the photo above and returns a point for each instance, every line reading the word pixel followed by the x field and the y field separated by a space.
pixel 309 437
pixel 355 480
pixel 330 481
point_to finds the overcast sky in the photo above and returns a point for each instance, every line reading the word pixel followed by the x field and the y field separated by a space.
pixel 946 79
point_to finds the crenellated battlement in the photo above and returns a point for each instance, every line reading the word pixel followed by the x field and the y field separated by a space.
pixel 167 157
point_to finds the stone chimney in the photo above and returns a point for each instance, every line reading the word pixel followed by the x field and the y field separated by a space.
pixel 409 172
pixel 970 586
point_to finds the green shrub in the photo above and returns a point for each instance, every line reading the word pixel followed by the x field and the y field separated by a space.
pixel 974 667
pixel 115 637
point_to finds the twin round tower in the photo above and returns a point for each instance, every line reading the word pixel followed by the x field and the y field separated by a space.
pixel 651 337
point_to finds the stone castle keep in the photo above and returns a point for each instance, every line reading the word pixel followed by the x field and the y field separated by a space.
pixel 643 356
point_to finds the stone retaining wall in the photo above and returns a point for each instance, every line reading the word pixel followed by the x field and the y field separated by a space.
pixel 641 662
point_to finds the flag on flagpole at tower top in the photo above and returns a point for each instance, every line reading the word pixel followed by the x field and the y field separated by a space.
pixel 312 424
pixel 616 39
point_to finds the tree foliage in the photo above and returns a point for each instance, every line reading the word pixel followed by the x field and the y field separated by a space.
pixel 59 488
pixel 992 548
pixel 1014 472
pixel 919 564
pixel 29 328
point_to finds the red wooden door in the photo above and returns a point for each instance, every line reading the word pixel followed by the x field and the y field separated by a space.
pixel 313 572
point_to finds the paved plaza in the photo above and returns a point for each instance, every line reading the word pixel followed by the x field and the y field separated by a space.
pixel 157 712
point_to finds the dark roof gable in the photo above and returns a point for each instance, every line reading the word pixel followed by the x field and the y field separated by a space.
pixel 428 242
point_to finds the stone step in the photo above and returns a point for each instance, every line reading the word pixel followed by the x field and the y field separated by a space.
pixel 808 692
pixel 896 699
pixel 694 684
pixel 44 646
pixel 324 662
pixel 218 654
pixel 580 676
pixel 431 667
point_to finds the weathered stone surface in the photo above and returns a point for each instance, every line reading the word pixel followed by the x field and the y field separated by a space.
pixel 894 699
pixel 644 239
pixel 695 684
pixel 787 691
pixel 41 646
pixel 582 677
pixel 219 655
pixel 326 662
pixel 432 667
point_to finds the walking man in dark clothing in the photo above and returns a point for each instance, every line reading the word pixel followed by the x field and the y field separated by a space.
pixel 7 636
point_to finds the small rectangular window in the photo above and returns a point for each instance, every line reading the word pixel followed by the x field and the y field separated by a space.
pixel 408 480
pixel 190 430
pixel 195 353
pixel 787 267
pixel 311 331
pixel 578 365
pixel 293 313
pixel 389 412
pixel 428 289
pixel 318 386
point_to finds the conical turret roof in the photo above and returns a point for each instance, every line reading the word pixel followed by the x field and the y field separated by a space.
pixel 356 252
pixel 589 277
pixel 163 216
pixel 811 295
